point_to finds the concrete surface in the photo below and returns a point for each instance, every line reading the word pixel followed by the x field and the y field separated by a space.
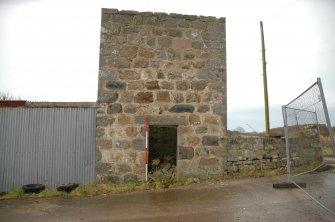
pixel 240 200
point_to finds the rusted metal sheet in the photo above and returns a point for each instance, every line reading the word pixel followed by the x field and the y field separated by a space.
pixel 51 146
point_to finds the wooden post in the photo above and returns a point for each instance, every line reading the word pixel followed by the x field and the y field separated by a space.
pixel 266 100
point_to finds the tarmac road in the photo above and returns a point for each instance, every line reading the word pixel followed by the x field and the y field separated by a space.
pixel 239 200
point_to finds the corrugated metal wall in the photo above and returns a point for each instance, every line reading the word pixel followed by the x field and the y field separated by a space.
pixel 51 146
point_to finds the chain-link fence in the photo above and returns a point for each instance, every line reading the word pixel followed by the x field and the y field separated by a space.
pixel 303 117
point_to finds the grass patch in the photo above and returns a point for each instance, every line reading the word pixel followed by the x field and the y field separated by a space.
pixel 327 148
pixel 19 193
pixel 311 165
pixel 108 188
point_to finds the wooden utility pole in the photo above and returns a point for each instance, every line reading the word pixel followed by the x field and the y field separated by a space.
pixel 265 82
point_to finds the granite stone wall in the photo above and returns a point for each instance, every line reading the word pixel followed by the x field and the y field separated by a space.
pixel 170 67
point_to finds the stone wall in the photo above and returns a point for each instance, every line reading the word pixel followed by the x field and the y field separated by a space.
pixel 171 67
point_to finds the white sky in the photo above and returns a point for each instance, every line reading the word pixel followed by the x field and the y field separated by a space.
pixel 49 50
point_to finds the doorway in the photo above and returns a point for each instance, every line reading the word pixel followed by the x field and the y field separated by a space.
pixel 162 149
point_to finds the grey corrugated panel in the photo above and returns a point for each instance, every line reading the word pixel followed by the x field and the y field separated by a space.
pixel 46 145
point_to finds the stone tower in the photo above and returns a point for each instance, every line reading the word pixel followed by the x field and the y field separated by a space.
pixel 171 67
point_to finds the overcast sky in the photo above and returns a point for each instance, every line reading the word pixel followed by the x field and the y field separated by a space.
pixel 49 50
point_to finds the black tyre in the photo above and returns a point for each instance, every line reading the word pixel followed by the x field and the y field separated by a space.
pixel 33 188
pixel 68 187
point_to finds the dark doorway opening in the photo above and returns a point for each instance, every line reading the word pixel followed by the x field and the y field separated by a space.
pixel 162 148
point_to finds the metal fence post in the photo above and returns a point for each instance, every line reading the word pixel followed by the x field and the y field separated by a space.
pixel 288 162
pixel 331 134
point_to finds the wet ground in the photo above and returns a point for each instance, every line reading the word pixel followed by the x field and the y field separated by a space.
pixel 240 200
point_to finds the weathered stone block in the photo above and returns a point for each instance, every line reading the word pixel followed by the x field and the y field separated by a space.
pixel 114 108
pixel 166 85
pixel 216 86
pixel 173 33
pixel 163 96
pixel 165 42
pixel 218 151
pixel 190 17
pixel 144 97
pixel 130 108
pixel 131 131
pixel 198 25
pixel 160 75
pixel 129 75
pixel 129 51
pixel 219 109
pixel 152 85
pixel 182 85
pixel 211 120
pixel 231 158
pixel 123 144
pixel 197 45
pixel 174 75
pixel 201 152
pixel 161 54
pixel 102 167
pixel 171 23
pixel 207 74
pixel 100 132
pixel 151 42
pixel 139 144
pixel 185 152
pixel 208 18
pixel 124 119
pixel 106 73
pixel 203 108
pixel 210 140
pixel 198 64
pixel 136 85
pixel 213 36
pixel 213 63
pixel 104 144
pixel 105 120
pixel 201 129
pixel 194 119
pixel 193 140
pixel 182 108
pixel 188 55
pixel 194 34
pixel 141 63
pixel 181 43
pixel 209 163
pixel 116 85
pixel 192 97
pixel 155 64
pixel 124 168
pixel 146 53
pixel 157 31
pixel 108 97
pixel 98 155
pixel 118 62
pixel 126 97
pixel 198 85
pixel 184 129
pixel 135 39
pixel 130 30
pixel 185 65
pixel 178 97
pixel 173 54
